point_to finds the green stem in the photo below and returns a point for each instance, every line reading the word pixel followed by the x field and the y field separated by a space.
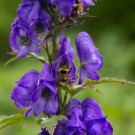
pixel 65 99
pixel 48 54
pixel 59 100
pixel 64 109
pixel 33 55
pixel 54 48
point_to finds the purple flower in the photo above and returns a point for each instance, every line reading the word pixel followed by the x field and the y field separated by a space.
pixel 45 75
pixel 65 7
pixel 87 117
pixel 45 99
pixel 75 124
pixel 66 47
pixel 99 126
pixel 39 31
pixel 29 11
pixel 22 42
pixel 22 93
pixel 83 118
pixel 94 118
pixel 73 7
pixel 64 69
pixel 90 59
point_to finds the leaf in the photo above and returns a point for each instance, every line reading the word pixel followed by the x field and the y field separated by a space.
pixel 78 89
pixel 11 60
pixel 18 118
pixel 110 80
pixel 10 120
pixel 50 123
pixel 31 55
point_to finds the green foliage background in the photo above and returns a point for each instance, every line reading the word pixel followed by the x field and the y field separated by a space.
pixel 113 32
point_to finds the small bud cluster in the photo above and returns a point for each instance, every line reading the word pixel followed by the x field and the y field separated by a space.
pixel 41 25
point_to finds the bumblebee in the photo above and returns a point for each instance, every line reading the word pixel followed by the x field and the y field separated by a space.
pixel 63 74
pixel 77 8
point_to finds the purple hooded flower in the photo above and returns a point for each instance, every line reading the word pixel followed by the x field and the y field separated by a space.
pixel 66 47
pixel 91 60
pixel 29 11
pixel 94 118
pixel 21 41
pixel 65 7
pixel 73 7
pixel 75 124
pixel 22 93
pixel 39 27
pixel 99 126
pixel 87 118
pixel 39 31
pixel 45 99
pixel 64 69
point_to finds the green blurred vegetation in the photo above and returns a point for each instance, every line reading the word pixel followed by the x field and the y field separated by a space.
pixel 113 32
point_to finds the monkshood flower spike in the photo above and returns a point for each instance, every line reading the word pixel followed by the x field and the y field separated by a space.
pixel 48 95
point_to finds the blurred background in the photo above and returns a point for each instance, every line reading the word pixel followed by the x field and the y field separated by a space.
pixel 113 32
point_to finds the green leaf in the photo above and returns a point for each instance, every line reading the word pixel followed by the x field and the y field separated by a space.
pixel 18 118
pixel 78 89
pixel 50 123
pixel 109 80
pixel 10 120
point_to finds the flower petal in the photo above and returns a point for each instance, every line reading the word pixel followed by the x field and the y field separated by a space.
pixel 28 113
pixel 20 95
pixel 51 106
pixel 99 126
pixel 85 46
pixel 38 107
pixel 24 51
pixel 65 47
pixel 90 72
pixel 61 128
pixel 65 7
pixel 91 110
pixel 45 74
pixel 81 76
pixel 28 79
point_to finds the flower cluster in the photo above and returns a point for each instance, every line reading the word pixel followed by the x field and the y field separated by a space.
pixel 37 20
pixel 41 25
pixel 83 118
